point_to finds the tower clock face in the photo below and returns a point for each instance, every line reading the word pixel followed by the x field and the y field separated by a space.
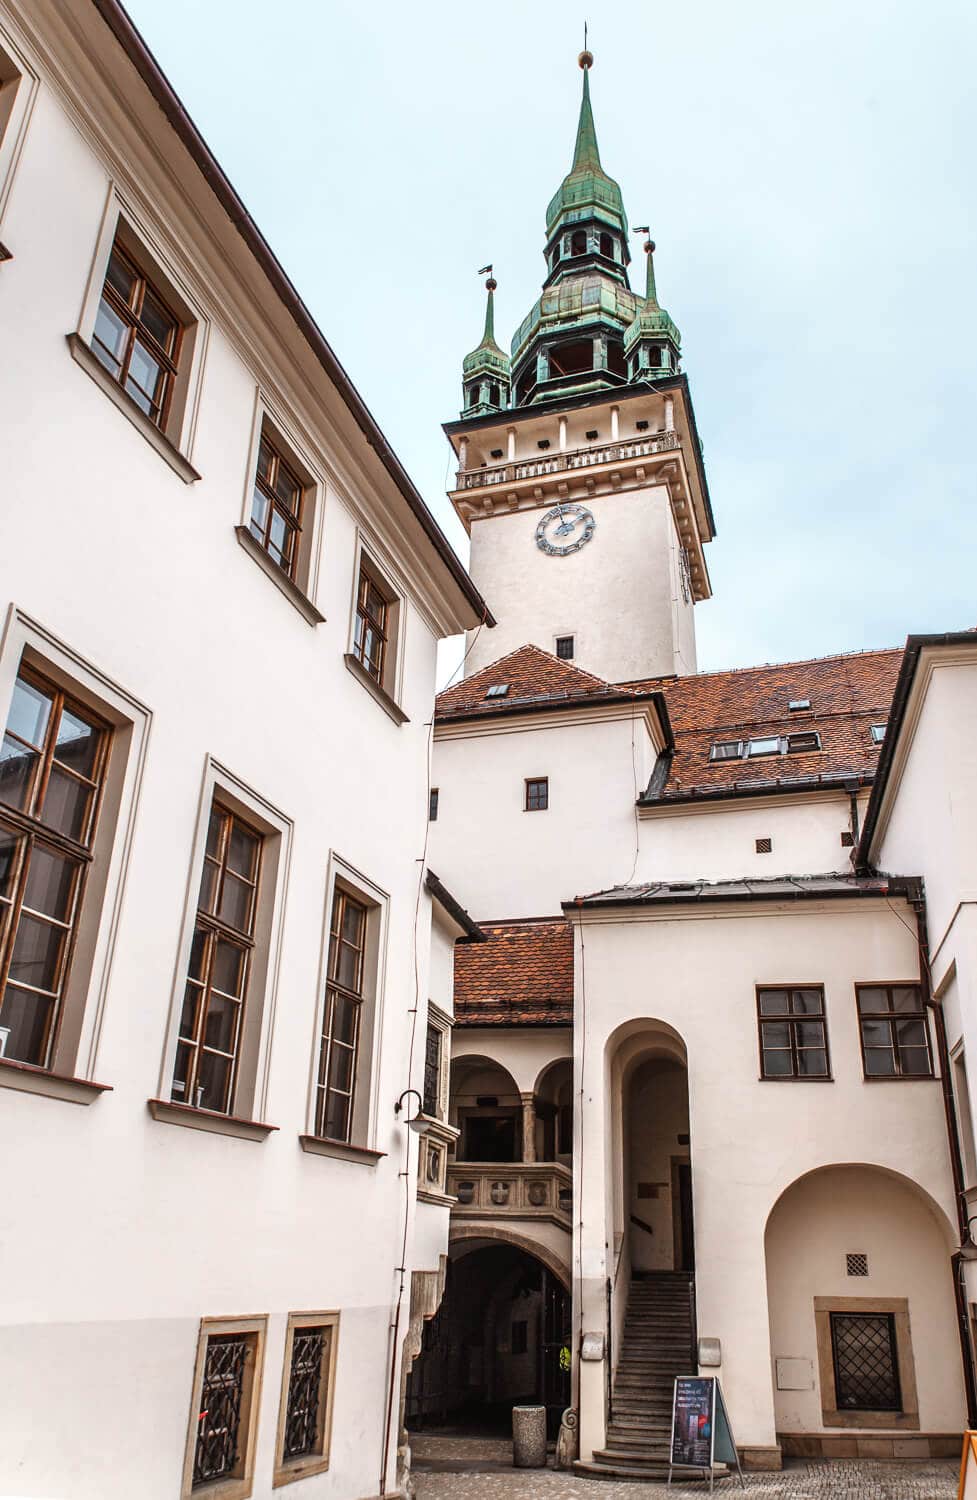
pixel 565 529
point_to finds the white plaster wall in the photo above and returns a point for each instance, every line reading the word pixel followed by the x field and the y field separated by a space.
pixel 710 842
pixel 657 1114
pixel 749 1139
pixel 120 1232
pixel 617 595
pixel 514 863
pixel 441 986
pixel 810 1231
pixel 524 1052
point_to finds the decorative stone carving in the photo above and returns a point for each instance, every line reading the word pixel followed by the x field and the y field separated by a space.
pixel 537 1194
pixel 499 1194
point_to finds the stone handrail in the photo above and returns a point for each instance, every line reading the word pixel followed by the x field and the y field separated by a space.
pixel 525 1190
pixel 576 458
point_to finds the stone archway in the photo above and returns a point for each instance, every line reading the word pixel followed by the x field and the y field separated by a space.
pixel 862 1318
pixel 499 1338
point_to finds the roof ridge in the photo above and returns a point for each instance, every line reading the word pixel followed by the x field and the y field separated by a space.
pixel 765 666
pixel 548 656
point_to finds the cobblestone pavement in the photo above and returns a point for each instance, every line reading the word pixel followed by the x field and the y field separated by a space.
pixel 479 1469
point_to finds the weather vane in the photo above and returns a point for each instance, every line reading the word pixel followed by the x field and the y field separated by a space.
pixel 487 271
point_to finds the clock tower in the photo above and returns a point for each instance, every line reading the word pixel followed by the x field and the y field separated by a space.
pixel 580 476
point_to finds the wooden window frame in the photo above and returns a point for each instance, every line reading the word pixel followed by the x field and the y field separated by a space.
pixel 130 313
pixel 288 1470
pixel 791 1020
pixel 537 805
pixel 32 833
pixel 18 90
pixel 343 899
pixel 892 1016
pixel 561 640
pixel 251 1082
pixel 294 521
pixel 367 585
pixel 237 1486
pixel 217 930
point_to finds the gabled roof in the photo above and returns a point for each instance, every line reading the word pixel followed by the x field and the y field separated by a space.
pixel 522 975
pixel 535 678
pixel 848 694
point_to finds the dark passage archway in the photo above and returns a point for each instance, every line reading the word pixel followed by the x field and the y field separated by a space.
pixel 501 1338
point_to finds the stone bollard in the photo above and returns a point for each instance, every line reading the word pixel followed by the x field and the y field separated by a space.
pixel 529 1437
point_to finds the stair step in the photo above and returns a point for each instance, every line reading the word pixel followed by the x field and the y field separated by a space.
pixel 653 1453
pixel 620 1471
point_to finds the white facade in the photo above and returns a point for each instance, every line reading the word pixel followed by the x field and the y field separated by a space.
pixel 124 582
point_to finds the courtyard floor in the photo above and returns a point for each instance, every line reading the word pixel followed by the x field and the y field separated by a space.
pixel 450 1468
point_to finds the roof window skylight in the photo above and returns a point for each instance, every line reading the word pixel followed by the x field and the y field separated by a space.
pixel 498 690
pixel 797 704
pixel 878 733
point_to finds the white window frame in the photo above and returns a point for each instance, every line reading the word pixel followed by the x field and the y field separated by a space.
pixel 269 821
pixel 303 590
pixel 164 267
pixel 362 1142
pixel 25 638
pixel 15 113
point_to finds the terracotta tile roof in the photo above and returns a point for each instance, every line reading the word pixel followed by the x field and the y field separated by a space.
pixel 521 976
pixel 848 694
pixel 529 672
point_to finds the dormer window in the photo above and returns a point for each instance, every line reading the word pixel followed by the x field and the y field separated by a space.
pixel 578 242
pixel 769 745
pixel 498 690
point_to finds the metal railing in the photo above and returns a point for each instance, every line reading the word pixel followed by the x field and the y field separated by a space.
pixel 576 458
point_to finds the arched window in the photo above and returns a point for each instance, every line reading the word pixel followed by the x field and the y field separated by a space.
pixel 556 255
pixel 578 242
pixel 494 396
pixel 615 357
pixel 474 395
pixel 607 246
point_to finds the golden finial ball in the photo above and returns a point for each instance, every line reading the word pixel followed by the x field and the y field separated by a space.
pixel 491 284
pixel 586 59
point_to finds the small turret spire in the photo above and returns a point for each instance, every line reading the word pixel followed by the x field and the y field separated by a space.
pixel 651 294
pixel 488 335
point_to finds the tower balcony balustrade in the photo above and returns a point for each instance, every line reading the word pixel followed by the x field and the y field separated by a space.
pixel 592 456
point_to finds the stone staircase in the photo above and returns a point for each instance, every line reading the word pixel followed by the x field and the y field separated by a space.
pixel 657 1346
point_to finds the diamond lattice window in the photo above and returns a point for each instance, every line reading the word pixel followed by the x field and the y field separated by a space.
pixel 863 1348
pixel 305 1391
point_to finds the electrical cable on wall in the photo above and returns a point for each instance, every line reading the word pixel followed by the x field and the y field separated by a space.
pixel 405 1173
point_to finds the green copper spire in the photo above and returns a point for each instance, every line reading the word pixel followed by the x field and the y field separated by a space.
pixel 652 343
pixel 586 155
pixel 587 190
pixel 485 372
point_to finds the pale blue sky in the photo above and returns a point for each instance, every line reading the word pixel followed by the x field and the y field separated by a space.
pixel 808 171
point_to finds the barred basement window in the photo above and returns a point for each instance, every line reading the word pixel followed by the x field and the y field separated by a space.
pixel 793 1037
pixel 894 1031
pixel 863 1349
pixel 856 1263
pixel 764 846
pixel 224 1408
pixel 308 1378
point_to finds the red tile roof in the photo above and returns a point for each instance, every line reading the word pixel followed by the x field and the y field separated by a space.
pixel 530 673
pixel 522 975
pixel 848 694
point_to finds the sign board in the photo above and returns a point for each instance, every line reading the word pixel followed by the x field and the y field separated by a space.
pixel 968 1468
pixel 701 1432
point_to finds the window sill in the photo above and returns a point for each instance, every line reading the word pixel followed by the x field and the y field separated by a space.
pixel 300 1468
pixel 31 1080
pixel 432 1196
pixel 794 1078
pixel 383 698
pixel 82 355
pixel 899 1078
pixel 320 1145
pixel 170 1113
pixel 278 577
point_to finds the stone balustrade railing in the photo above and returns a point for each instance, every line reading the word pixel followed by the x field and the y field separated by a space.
pixel 576 458
pixel 518 1190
